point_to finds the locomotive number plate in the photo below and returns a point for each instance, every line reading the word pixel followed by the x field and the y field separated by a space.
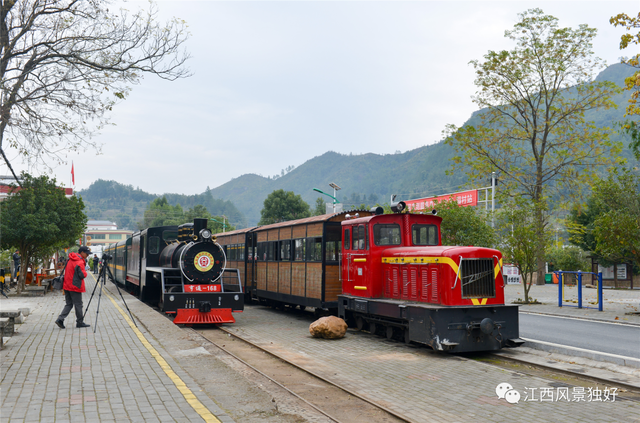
pixel 202 288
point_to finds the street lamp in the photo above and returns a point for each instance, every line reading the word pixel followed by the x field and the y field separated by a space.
pixel 224 219
pixel 335 188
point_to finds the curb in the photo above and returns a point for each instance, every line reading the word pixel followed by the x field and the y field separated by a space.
pixel 580 352
pixel 581 318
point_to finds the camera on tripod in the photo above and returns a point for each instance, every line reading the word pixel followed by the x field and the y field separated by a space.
pixel 106 257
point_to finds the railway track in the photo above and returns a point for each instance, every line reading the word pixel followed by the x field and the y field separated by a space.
pixel 334 402
pixel 323 394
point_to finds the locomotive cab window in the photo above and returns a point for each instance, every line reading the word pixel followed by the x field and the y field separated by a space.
pixel 169 235
pixel 347 239
pixel 154 245
pixel 360 241
pixel 424 234
pixel 386 234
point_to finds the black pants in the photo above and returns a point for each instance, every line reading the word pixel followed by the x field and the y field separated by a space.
pixel 73 299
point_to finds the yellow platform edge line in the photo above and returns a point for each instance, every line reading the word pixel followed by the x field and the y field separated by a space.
pixel 199 408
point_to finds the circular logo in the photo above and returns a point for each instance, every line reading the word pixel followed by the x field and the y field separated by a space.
pixel 203 261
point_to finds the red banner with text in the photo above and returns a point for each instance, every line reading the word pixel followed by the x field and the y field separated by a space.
pixel 464 199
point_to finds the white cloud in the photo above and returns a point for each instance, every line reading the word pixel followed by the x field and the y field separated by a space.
pixel 277 83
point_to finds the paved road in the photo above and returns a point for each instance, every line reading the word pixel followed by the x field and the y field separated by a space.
pixel 605 337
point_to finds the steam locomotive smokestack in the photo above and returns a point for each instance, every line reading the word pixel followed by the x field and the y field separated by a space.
pixel 199 224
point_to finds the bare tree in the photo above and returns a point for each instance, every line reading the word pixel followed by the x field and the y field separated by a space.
pixel 65 63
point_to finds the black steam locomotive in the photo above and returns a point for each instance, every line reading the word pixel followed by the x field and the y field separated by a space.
pixel 181 270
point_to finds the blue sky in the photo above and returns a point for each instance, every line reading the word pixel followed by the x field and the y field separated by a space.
pixel 277 83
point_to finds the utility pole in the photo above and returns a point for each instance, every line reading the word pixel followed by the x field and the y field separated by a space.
pixel 493 196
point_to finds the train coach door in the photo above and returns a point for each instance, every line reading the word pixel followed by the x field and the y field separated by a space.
pixel 250 257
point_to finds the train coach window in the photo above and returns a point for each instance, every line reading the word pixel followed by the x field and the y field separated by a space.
pixel 262 252
pixel 332 244
pixel 240 252
pixel 424 234
pixel 285 250
pixel 231 252
pixel 154 244
pixel 298 249
pixel 271 251
pixel 314 249
pixel 386 234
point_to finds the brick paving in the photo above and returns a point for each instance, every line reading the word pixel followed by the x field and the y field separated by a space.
pixel 422 385
pixel 73 375
pixel 53 375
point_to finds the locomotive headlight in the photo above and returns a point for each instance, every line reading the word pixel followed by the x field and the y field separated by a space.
pixel 236 297
pixel 171 298
pixel 205 234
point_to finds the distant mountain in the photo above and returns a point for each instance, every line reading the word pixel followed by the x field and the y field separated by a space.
pixel 110 200
pixel 363 178
pixel 368 178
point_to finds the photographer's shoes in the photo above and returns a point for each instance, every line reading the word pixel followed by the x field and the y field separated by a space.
pixel 82 325
pixel 60 324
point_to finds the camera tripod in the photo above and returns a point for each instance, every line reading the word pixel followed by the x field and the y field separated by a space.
pixel 102 280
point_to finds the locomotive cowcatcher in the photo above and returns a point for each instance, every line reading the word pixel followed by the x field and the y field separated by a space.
pixel 398 279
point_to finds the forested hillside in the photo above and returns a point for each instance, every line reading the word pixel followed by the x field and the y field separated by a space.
pixel 125 205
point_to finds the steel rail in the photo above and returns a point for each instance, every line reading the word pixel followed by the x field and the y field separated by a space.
pixel 348 391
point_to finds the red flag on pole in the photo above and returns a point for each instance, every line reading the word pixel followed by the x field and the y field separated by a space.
pixel 73 176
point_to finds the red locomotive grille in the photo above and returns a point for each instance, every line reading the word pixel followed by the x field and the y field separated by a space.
pixel 191 316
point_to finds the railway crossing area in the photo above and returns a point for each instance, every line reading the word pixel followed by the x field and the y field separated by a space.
pixel 161 372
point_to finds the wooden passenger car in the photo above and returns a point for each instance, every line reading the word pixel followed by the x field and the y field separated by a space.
pixel 294 263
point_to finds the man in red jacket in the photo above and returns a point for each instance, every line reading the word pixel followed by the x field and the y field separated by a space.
pixel 73 286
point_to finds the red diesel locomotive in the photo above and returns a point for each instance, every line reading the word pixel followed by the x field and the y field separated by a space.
pixel 388 274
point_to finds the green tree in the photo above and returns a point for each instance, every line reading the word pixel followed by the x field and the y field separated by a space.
pixel 569 258
pixel 617 226
pixel 216 224
pixel 39 219
pixel 463 225
pixel 531 127
pixel 518 231
pixel 321 207
pixel 197 211
pixel 64 65
pixel 160 213
pixel 281 205
pixel 631 126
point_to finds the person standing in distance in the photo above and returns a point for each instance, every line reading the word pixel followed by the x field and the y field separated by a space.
pixel 95 264
pixel 73 286
pixel 16 265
